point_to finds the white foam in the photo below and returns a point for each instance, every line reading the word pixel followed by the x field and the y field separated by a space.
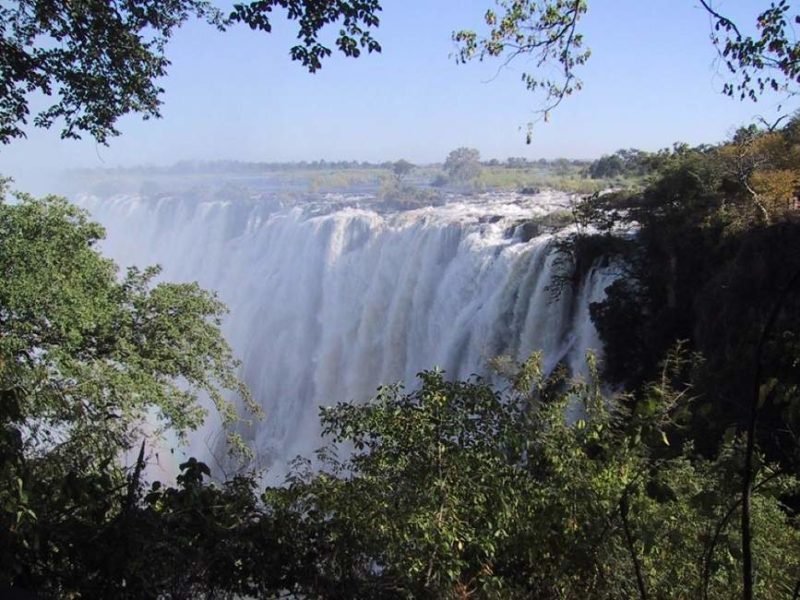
pixel 327 304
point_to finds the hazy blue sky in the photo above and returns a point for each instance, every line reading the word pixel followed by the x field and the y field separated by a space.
pixel 652 80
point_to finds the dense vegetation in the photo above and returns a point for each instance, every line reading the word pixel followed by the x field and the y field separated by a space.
pixel 715 262
pixel 545 489
pixel 684 486
pixel 84 358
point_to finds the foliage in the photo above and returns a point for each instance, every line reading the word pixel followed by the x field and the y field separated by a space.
pixel 548 32
pixel 453 490
pixel 545 30
pixel 356 16
pixel 770 61
pixel 627 163
pixel 94 540
pixel 715 262
pixel 463 166
pixel 401 168
pixel 764 166
pixel 103 60
pixel 456 490
pixel 85 360
pixel 714 250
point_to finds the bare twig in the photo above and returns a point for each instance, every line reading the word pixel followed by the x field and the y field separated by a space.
pixel 723 21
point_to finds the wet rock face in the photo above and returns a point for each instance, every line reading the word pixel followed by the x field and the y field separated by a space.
pixel 530 191
pixel 528 231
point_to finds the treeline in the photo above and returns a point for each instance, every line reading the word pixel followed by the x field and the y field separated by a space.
pixel 190 167
pixel 518 162
pixel 634 163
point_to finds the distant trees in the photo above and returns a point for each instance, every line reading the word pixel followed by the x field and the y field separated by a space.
pixel 622 163
pixel 632 162
pixel 607 166
pixel 401 168
pixel 463 166
pixel 515 162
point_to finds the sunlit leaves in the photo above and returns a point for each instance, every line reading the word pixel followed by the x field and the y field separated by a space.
pixel 89 349
pixel 455 489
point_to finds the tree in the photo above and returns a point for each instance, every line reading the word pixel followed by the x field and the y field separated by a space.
pixel 715 262
pixel 764 166
pixel 607 166
pixel 458 490
pixel 770 61
pixel 548 32
pixel 401 168
pixel 102 60
pixel 463 165
pixel 87 348
pixel 86 359
pixel 626 163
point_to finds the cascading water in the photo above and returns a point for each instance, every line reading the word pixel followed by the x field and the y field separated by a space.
pixel 331 298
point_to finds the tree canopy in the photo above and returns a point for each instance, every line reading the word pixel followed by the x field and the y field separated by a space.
pixel 100 60
pixel 454 490
pixel 82 347
pixel 89 365
pixel 401 168
pixel 463 165
pixel 549 32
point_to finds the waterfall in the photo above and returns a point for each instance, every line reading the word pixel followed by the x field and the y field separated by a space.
pixel 333 297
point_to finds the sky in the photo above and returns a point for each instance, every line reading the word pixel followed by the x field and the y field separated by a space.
pixel 653 79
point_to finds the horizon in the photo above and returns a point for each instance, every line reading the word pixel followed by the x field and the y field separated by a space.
pixel 653 80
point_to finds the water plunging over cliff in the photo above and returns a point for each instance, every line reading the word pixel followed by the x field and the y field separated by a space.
pixel 333 297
